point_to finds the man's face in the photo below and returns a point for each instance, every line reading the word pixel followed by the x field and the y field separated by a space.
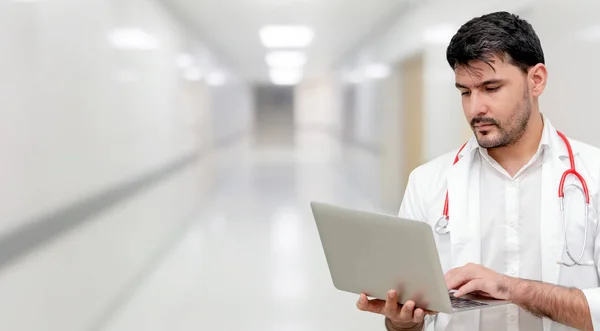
pixel 496 101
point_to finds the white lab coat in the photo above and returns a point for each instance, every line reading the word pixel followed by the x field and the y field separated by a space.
pixel 424 200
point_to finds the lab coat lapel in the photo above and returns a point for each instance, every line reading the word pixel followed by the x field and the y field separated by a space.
pixel 551 227
pixel 465 223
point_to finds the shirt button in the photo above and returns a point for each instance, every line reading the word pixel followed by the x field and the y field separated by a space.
pixel 512 224
pixel 513 318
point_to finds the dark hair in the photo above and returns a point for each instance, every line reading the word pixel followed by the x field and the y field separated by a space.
pixel 502 34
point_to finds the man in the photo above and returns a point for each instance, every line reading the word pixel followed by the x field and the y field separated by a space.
pixel 503 203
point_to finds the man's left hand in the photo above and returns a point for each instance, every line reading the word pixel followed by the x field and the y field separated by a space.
pixel 477 279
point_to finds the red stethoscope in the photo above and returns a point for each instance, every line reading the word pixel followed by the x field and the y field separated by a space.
pixel 441 226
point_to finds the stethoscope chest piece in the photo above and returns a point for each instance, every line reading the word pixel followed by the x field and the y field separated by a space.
pixel 441 226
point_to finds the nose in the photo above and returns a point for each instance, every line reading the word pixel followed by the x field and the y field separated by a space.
pixel 476 105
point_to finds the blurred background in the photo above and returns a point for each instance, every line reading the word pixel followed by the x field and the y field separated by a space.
pixel 158 157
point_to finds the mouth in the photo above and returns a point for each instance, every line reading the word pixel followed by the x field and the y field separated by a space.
pixel 483 126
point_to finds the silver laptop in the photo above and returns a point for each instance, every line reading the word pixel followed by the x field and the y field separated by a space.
pixel 372 253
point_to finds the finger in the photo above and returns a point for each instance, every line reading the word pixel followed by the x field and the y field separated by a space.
pixel 419 315
pixel 458 280
pixel 374 305
pixel 455 278
pixel 451 273
pixel 454 271
pixel 472 286
pixel 469 268
pixel 391 304
pixel 406 313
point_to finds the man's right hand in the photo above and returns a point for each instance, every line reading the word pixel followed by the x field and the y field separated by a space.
pixel 398 317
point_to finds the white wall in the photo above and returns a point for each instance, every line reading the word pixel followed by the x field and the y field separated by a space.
pixel 320 108
pixel 318 120
pixel 80 116
pixel 235 114
pixel 317 104
pixel 391 166
pixel 443 118
pixel 367 113
pixel 570 96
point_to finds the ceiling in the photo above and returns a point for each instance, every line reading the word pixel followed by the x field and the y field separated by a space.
pixel 231 28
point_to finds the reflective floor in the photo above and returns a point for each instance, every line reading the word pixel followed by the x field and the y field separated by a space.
pixel 252 259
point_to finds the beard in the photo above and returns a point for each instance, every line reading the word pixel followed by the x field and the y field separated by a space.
pixel 506 133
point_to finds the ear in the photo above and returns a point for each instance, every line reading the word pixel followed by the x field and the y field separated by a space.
pixel 537 78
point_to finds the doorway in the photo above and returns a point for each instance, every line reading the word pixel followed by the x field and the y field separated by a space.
pixel 274 121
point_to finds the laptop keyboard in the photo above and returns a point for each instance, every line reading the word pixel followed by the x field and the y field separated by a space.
pixel 464 303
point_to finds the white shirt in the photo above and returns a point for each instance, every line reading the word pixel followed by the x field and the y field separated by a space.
pixel 510 238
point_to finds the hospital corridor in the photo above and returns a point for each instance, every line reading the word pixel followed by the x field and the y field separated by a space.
pixel 251 259
pixel 158 158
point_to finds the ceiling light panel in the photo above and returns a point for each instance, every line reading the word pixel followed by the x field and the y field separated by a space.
pixel 285 76
pixel 133 39
pixel 377 70
pixel 281 36
pixel 285 59
pixel 216 78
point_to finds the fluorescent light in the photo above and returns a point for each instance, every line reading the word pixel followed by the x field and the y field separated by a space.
pixel 192 74
pixel 280 36
pixel 132 38
pixel 285 76
pixel 216 78
pixel 285 59
pixel 377 70
pixel 184 60
pixel 591 33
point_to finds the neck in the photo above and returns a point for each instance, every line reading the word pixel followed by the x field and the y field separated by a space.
pixel 514 156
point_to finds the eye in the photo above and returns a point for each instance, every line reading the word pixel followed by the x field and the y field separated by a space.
pixel 492 89
pixel 465 93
